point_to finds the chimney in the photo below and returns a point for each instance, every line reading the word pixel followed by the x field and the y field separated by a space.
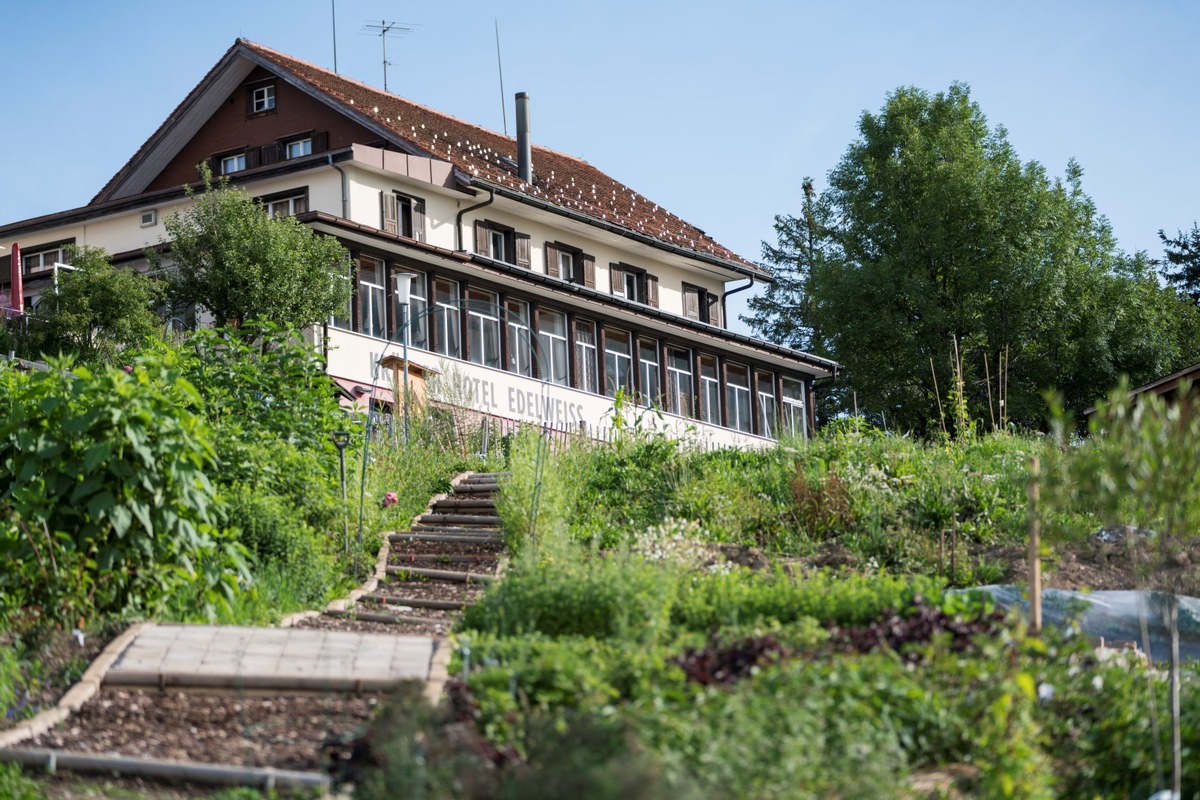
pixel 524 145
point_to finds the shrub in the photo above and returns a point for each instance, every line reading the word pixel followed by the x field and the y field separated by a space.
pixel 107 479
pixel 619 595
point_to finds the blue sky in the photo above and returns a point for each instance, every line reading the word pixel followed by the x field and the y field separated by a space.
pixel 716 111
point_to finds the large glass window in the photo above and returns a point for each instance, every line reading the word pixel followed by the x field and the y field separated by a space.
pixel 483 328
pixel 520 338
pixel 679 382
pixel 710 390
pixel 344 317
pixel 767 409
pixel 793 407
pixel 372 318
pixel 418 310
pixel 287 206
pixel 446 318
pixel 737 397
pixel 552 342
pixel 650 373
pixel 618 363
pixel 586 356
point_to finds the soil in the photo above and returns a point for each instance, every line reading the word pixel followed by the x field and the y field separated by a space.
pixel 53 663
pixel 325 623
pixel 433 590
pixel 448 564
pixel 446 548
pixel 283 732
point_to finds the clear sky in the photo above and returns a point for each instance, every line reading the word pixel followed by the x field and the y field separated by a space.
pixel 715 111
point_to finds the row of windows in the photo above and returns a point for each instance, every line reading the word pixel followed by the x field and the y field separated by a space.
pixel 476 324
pixel 284 149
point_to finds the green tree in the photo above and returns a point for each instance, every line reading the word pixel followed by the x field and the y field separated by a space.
pixel 1183 253
pixel 933 232
pixel 235 260
pixel 94 312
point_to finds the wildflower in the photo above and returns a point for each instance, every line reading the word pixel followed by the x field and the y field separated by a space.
pixel 390 499
pixel 1045 692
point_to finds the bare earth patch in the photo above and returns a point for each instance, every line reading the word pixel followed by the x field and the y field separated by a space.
pixel 283 732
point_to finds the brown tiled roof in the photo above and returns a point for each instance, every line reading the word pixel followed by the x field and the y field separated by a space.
pixel 559 179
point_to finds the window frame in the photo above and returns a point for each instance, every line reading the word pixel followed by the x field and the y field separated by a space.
pixel 587 356
pixel 418 305
pixel 518 326
pixel 237 158
pixel 555 347
pixel 794 409
pixel 265 103
pixel 738 397
pixel 614 360
pixel 710 390
pixel 447 330
pixel 288 145
pixel 372 299
pixel 675 388
pixel 768 416
pixel 483 315
pixel 649 372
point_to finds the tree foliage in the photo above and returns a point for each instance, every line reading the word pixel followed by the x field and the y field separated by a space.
pixel 932 231
pixel 236 261
pixel 1183 254
pixel 94 313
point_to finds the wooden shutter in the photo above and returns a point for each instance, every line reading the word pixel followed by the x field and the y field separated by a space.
pixel 390 211
pixel 252 158
pixel 616 279
pixel 552 261
pixel 214 165
pixel 483 245
pixel 320 141
pixel 589 271
pixel 269 153
pixel 691 302
pixel 714 310
pixel 652 291
pixel 521 240
pixel 418 219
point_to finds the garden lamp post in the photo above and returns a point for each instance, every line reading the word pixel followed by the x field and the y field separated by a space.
pixel 340 440
pixel 403 288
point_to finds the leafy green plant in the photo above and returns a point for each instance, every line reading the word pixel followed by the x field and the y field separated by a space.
pixel 107 479
pixel 15 786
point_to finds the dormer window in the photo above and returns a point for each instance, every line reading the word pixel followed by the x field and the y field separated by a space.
pixel 403 215
pixel 633 284
pixel 262 99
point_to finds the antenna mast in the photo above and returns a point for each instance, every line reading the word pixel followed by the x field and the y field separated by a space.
pixel 333 15
pixel 500 69
pixel 383 29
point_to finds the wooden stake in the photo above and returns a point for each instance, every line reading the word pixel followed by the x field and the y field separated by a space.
pixel 988 375
pixel 1035 551
pixel 942 555
pixel 937 393
pixel 954 550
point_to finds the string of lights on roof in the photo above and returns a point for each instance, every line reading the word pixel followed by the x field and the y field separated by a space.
pixel 621 206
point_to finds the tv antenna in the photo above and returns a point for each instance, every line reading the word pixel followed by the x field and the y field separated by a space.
pixel 383 29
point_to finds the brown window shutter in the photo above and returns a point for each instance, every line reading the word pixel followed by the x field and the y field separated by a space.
pixel 521 240
pixel 320 141
pixel 616 279
pixel 418 220
pixel 252 158
pixel 714 310
pixel 552 260
pixel 652 291
pixel 214 165
pixel 269 154
pixel 589 271
pixel 389 211
pixel 483 245
pixel 691 302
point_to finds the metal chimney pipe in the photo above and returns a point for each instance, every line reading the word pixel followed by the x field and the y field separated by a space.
pixel 524 144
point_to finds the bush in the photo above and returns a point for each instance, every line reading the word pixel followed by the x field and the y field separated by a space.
pixel 15 786
pixel 107 481
pixel 619 595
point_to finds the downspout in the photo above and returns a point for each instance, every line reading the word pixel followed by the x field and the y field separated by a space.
pixel 458 237
pixel 345 191
pixel 724 313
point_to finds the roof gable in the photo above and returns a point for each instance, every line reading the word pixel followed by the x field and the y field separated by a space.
pixel 479 154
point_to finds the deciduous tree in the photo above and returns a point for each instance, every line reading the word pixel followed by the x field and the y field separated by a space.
pixel 236 261
pixel 933 232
